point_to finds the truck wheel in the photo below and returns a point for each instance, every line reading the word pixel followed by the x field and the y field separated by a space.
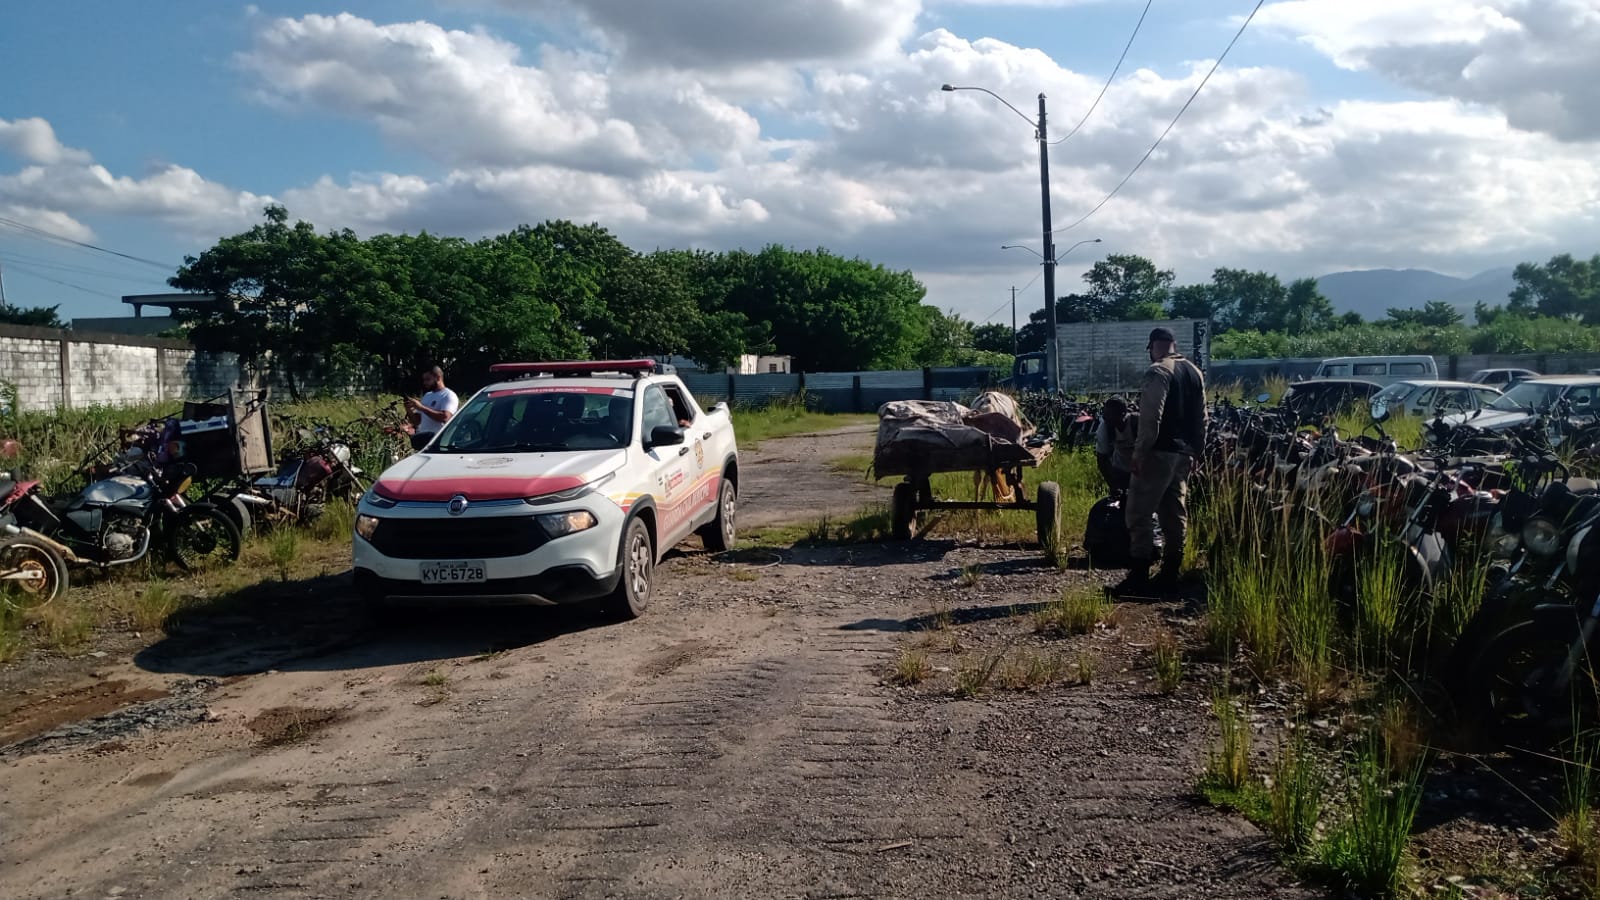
pixel 1047 513
pixel 637 561
pixel 902 511
pixel 719 533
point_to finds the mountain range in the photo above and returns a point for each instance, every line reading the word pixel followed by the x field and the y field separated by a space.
pixel 1371 292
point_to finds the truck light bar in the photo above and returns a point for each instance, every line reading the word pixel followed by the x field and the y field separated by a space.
pixel 576 367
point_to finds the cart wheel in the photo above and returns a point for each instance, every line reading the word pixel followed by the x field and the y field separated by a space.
pixel 1047 509
pixel 903 511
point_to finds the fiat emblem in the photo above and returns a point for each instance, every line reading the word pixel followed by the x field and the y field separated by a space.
pixel 458 504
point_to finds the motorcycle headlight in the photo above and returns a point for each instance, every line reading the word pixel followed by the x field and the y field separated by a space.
pixel 1366 507
pixel 367 526
pixel 1505 546
pixel 565 523
pixel 1542 537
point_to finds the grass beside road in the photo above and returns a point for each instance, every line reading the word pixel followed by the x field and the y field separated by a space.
pixel 782 418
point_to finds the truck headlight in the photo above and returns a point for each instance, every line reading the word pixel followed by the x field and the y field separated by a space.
pixel 564 523
pixel 367 526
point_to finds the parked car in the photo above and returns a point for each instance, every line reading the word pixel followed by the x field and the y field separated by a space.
pixel 1580 394
pixel 565 483
pixel 1425 398
pixel 1382 370
pixel 1501 378
pixel 1318 397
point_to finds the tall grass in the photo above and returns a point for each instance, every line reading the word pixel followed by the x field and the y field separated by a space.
pixel 786 416
pixel 1367 851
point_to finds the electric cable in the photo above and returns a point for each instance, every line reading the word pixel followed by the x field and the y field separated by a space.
pixel 1111 77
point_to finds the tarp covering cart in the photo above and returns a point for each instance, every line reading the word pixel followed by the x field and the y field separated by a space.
pixel 992 439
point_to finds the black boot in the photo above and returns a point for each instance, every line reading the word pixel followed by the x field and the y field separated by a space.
pixel 1136 584
pixel 1168 579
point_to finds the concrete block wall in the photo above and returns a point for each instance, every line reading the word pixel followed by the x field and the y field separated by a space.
pixel 32 365
pixel 1112 355
pixel 51 369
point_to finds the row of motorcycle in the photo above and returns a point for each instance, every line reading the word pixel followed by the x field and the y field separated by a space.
pixel 137 505
pixel 1498 514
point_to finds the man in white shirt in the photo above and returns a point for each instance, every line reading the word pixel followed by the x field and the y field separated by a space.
pixel 437 405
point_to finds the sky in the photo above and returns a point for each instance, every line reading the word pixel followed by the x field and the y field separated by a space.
pixel 1453 135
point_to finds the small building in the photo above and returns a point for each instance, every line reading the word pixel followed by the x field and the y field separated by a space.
pixel 753 364
pixel 170 302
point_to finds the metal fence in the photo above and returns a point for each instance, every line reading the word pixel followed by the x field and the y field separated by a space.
pixel 843 391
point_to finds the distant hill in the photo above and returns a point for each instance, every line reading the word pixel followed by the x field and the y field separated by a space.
pixel 1372 291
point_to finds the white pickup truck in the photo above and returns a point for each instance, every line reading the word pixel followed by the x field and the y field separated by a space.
pixel 565 483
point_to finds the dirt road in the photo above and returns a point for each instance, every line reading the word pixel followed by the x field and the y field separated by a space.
pixel 738 741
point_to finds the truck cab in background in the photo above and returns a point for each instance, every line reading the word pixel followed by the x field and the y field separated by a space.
pixel 1027 372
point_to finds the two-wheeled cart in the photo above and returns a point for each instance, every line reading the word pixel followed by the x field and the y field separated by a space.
pixel 920 439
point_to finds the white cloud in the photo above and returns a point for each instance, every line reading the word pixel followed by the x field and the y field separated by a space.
pixel 34 141
pixel 1533 60
pixel 876 161
pixel 51 220
pixel 716 34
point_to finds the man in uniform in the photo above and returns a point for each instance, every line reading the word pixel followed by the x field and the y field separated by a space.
pixel 1172 435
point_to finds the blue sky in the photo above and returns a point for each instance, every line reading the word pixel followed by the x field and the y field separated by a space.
pixel 1320 145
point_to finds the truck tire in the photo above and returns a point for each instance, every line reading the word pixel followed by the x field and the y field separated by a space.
pixel 720 534
pixel 637 560
pixel 1047 513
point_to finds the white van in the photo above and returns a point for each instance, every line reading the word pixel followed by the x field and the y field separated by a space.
pixel 1380 369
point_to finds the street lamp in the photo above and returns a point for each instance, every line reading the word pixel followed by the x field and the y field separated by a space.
pixel 1014 290
pixel 1049 255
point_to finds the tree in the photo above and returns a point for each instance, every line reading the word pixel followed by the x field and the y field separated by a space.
pixel 992 337
pixel 1122 287
pixel 1436 313
pixel 1563 288
pixel 1250 301
pixel 1307 310
pixel 36 316
pixel 1193 301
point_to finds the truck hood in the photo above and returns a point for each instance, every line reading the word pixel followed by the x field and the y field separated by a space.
pixel 494 476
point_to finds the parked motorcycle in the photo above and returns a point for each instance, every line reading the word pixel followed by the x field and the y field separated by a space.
pixel 118 519
pixel 319 470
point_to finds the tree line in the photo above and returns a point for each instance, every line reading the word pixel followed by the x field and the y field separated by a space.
pixel 1554 308
pixel 321 303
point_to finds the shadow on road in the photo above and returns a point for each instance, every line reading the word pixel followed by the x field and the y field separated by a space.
pixel 319 625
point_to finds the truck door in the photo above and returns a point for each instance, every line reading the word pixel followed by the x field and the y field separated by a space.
pixel 670 481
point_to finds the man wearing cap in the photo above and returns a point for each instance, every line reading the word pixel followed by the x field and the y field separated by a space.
pixel 1113 443
pixel 1172 434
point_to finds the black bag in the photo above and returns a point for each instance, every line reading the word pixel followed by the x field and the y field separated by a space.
pixel 1105 536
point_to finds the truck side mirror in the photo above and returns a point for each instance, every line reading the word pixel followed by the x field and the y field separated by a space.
pixel 665 436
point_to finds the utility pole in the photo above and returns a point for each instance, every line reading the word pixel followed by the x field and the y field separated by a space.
pixel 1051 361
pixel 4 304
pixel 1013 320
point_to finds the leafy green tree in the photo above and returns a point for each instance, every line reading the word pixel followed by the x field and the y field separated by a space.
pixel 992 337
pixel 36 316
pixel 1562 288
pixel 1122 287
pixel 1193 301
pixel 1306 309
pixel 1250 301
pixel 1437 313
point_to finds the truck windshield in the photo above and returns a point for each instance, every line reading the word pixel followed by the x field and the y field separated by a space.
pixel 541 420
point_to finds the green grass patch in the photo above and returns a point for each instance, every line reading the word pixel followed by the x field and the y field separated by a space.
pixel 788 416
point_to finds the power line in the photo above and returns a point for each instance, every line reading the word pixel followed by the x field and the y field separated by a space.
pixel 1170 125
pixel 42 277
pixel 46 263
pixel 1110 77
pixel 165 267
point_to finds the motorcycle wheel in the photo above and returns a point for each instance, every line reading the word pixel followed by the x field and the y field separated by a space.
pixel 46 574
pixel 201 537
pixel 1520 695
